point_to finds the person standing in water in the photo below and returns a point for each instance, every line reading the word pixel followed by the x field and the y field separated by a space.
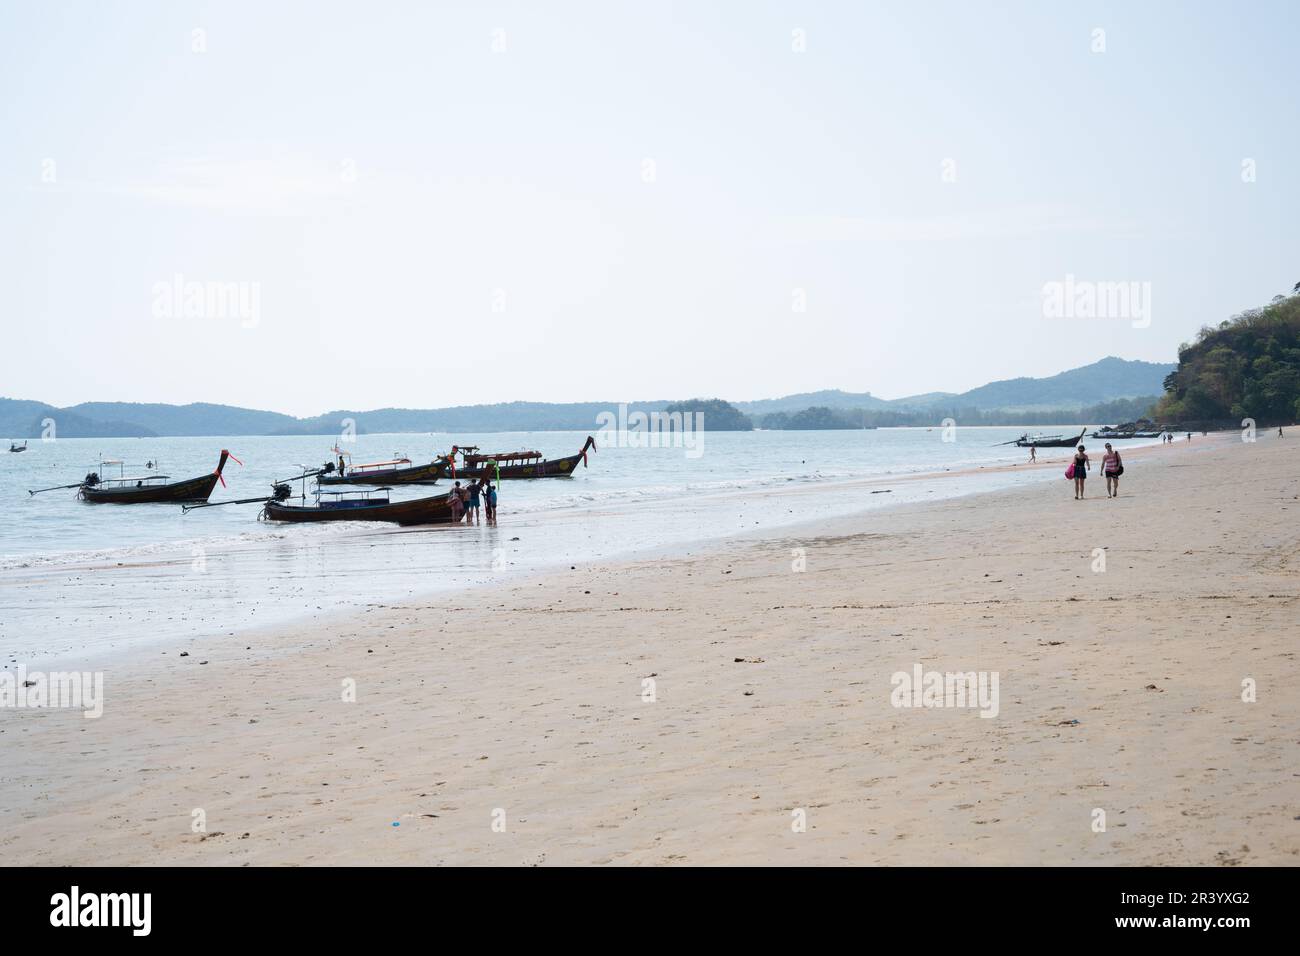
pixel 457 505
pixel 471 516
pixel 1111 466
pixel 1080 472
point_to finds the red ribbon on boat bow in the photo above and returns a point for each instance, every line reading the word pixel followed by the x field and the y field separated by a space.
pixel 217 470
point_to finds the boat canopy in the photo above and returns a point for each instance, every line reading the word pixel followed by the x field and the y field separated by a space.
pixel 393 463
pixel 502 456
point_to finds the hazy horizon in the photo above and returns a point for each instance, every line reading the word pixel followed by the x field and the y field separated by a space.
pixel 635 400
pixel 433 206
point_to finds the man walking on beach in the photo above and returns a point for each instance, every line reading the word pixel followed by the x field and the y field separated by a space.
pixel 1033 453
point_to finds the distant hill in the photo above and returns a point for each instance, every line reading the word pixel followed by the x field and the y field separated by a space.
pixel 718 416
pixel 1108 380
pixel 816 418
pixel 197 419
pixel 1102 381
pixel 502 417
pixel 830 398
pixel 927 398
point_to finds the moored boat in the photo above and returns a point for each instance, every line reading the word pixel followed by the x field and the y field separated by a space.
pixel 144 489
pixel 396 471
pixel 518 464
pixel 1049 441
pixel 14 446
pixel 368 505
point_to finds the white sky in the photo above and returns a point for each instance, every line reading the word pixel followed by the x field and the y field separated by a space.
pixel 377 170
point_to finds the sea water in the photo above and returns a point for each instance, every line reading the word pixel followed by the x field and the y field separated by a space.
pixel 79 580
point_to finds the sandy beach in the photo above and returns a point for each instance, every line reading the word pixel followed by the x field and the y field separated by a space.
pixel 698 709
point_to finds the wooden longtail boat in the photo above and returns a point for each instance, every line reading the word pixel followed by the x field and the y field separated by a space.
pixel 14 446
pixel 398 471
pixel 150 489
pixel 361 506
pixel 1049 441
pixel 518 464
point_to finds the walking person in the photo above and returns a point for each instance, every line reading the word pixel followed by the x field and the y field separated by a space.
pixel 1033 452
pixel 1111 468
pixel 1081 462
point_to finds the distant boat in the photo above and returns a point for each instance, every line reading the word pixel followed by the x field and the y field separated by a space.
pixel 1050 441
pixel 13 446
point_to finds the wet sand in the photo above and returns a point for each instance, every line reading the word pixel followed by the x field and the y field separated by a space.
pixel 690 709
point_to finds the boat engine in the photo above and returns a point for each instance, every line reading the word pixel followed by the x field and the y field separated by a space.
pixel 281 492
pixel 91 479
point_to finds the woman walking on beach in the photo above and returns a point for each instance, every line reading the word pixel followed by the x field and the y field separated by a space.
pixel 1111 468
pixel 1080 472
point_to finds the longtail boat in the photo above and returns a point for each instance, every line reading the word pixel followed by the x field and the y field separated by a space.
pixel 1049 441
pixel 14 446
pixel 517 464
pixel 396 471
pixel 143 489
pixel 370 505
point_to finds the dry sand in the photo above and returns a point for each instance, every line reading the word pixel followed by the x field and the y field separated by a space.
pixel 526 704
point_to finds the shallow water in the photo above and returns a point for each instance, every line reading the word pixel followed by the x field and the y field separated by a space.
pixel 78 580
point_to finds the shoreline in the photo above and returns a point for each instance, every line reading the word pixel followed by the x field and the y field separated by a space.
pixel 771 695
pixel 120 580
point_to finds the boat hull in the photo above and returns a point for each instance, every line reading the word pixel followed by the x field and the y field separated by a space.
pixel 419 511
pixel 547 468
pixel 1051 442
pixel 415 475
pixel 191 489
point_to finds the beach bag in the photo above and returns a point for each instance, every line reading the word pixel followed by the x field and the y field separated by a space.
pixel 1119 471
pixel 1069 472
